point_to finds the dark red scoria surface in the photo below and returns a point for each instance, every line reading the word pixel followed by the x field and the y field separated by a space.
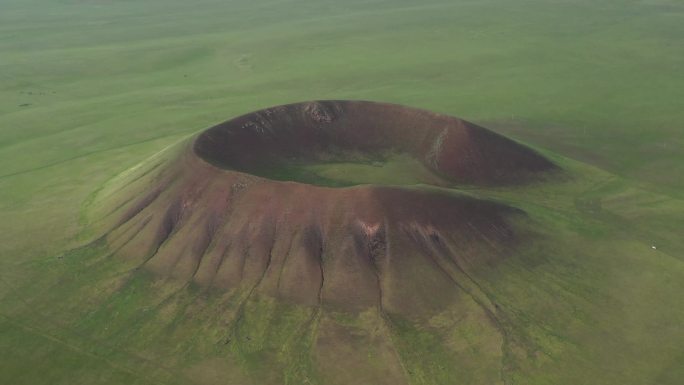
pixel 204 217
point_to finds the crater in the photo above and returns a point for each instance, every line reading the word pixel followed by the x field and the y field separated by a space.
pixel 345 143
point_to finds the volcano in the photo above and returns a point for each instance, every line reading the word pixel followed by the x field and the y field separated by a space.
pixel 282 202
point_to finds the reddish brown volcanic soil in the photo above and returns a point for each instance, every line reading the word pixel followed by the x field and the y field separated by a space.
pixel 202 217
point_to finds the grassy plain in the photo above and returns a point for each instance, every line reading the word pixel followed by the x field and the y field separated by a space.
pixel 89 89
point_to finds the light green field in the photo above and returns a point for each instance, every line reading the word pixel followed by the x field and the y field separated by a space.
pixel 89 89
pixel 388 169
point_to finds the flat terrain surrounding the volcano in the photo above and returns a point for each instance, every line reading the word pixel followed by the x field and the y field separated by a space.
pixel 572 277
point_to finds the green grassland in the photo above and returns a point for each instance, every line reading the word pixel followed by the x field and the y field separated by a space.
pixel 387 169
pixel 89 89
